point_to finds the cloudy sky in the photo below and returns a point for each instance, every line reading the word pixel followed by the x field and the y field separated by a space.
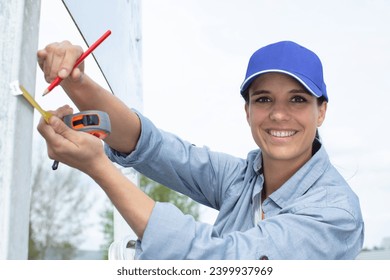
pixel 194 59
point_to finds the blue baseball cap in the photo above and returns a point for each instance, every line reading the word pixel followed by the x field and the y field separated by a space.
pixel 289 58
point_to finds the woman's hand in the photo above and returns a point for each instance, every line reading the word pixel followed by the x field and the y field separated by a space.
pixel 85 152
pixel 76 149
pixel 58 59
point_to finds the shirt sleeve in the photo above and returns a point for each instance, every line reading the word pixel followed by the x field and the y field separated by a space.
pixel 173 235
pixel 197 172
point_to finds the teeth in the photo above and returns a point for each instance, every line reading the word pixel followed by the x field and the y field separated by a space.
pixel 285 133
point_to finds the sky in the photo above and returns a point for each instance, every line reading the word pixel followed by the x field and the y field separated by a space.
pixel 194 59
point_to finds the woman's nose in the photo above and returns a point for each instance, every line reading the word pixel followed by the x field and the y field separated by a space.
pixel 279 112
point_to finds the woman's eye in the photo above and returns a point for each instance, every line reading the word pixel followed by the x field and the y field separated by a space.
pixel 262 99
pixel 298 99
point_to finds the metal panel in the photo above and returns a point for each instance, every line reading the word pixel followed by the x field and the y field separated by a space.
pixel 119 57
pixel 19 28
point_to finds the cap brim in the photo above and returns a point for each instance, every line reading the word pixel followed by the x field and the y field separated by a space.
pixel 307 83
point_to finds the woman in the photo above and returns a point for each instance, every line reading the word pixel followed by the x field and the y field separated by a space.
pixel 284 201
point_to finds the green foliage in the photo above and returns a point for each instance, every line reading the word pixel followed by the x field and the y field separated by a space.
pixel 162 194
pixel 107 225
pixel 34 252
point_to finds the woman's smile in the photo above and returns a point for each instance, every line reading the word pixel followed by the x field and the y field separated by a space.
pixel 281 133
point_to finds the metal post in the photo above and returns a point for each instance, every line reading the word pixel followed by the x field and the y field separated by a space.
pixel 19 25
pixel 119 58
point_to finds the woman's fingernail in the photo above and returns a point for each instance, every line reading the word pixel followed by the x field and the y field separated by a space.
pixel 62 74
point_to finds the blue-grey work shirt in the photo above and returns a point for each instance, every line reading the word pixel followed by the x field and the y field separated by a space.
pixel 314 215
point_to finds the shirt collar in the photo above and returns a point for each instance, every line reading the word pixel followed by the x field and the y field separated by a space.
pixel 303 179
pixel 258 164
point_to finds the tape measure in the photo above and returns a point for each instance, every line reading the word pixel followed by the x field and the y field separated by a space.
pixel 93 122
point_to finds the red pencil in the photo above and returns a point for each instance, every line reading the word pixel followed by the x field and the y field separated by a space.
pixel 58 80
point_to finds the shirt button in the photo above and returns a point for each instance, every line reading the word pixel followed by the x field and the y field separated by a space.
pixel 263 258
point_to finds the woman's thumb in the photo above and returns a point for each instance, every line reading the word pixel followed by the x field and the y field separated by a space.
pixel 58 125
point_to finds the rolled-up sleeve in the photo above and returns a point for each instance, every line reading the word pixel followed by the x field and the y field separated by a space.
pixel 145 148
pixel 180 237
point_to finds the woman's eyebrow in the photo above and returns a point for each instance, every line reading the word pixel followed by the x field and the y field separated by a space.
pixel 300 90
pixel 259 92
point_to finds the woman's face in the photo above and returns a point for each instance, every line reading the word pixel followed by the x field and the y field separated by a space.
pixel 283 117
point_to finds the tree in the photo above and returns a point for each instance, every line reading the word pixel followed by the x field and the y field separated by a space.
pixel 107 225
pixel 162 194
pixel 58 210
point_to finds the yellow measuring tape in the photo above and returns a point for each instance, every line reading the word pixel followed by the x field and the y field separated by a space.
pixel 20 90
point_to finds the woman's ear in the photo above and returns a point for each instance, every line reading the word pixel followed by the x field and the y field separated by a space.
pixel 246 107
pixel 322 112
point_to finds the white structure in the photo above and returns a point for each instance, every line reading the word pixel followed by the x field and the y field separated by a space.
pixel 119 58
pixel 19 22
pixel 19 25
pixel 386 243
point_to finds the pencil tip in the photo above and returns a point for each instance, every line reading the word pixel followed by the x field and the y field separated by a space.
pixel 46 91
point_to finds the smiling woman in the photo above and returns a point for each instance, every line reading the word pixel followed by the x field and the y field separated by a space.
pixel 284 201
